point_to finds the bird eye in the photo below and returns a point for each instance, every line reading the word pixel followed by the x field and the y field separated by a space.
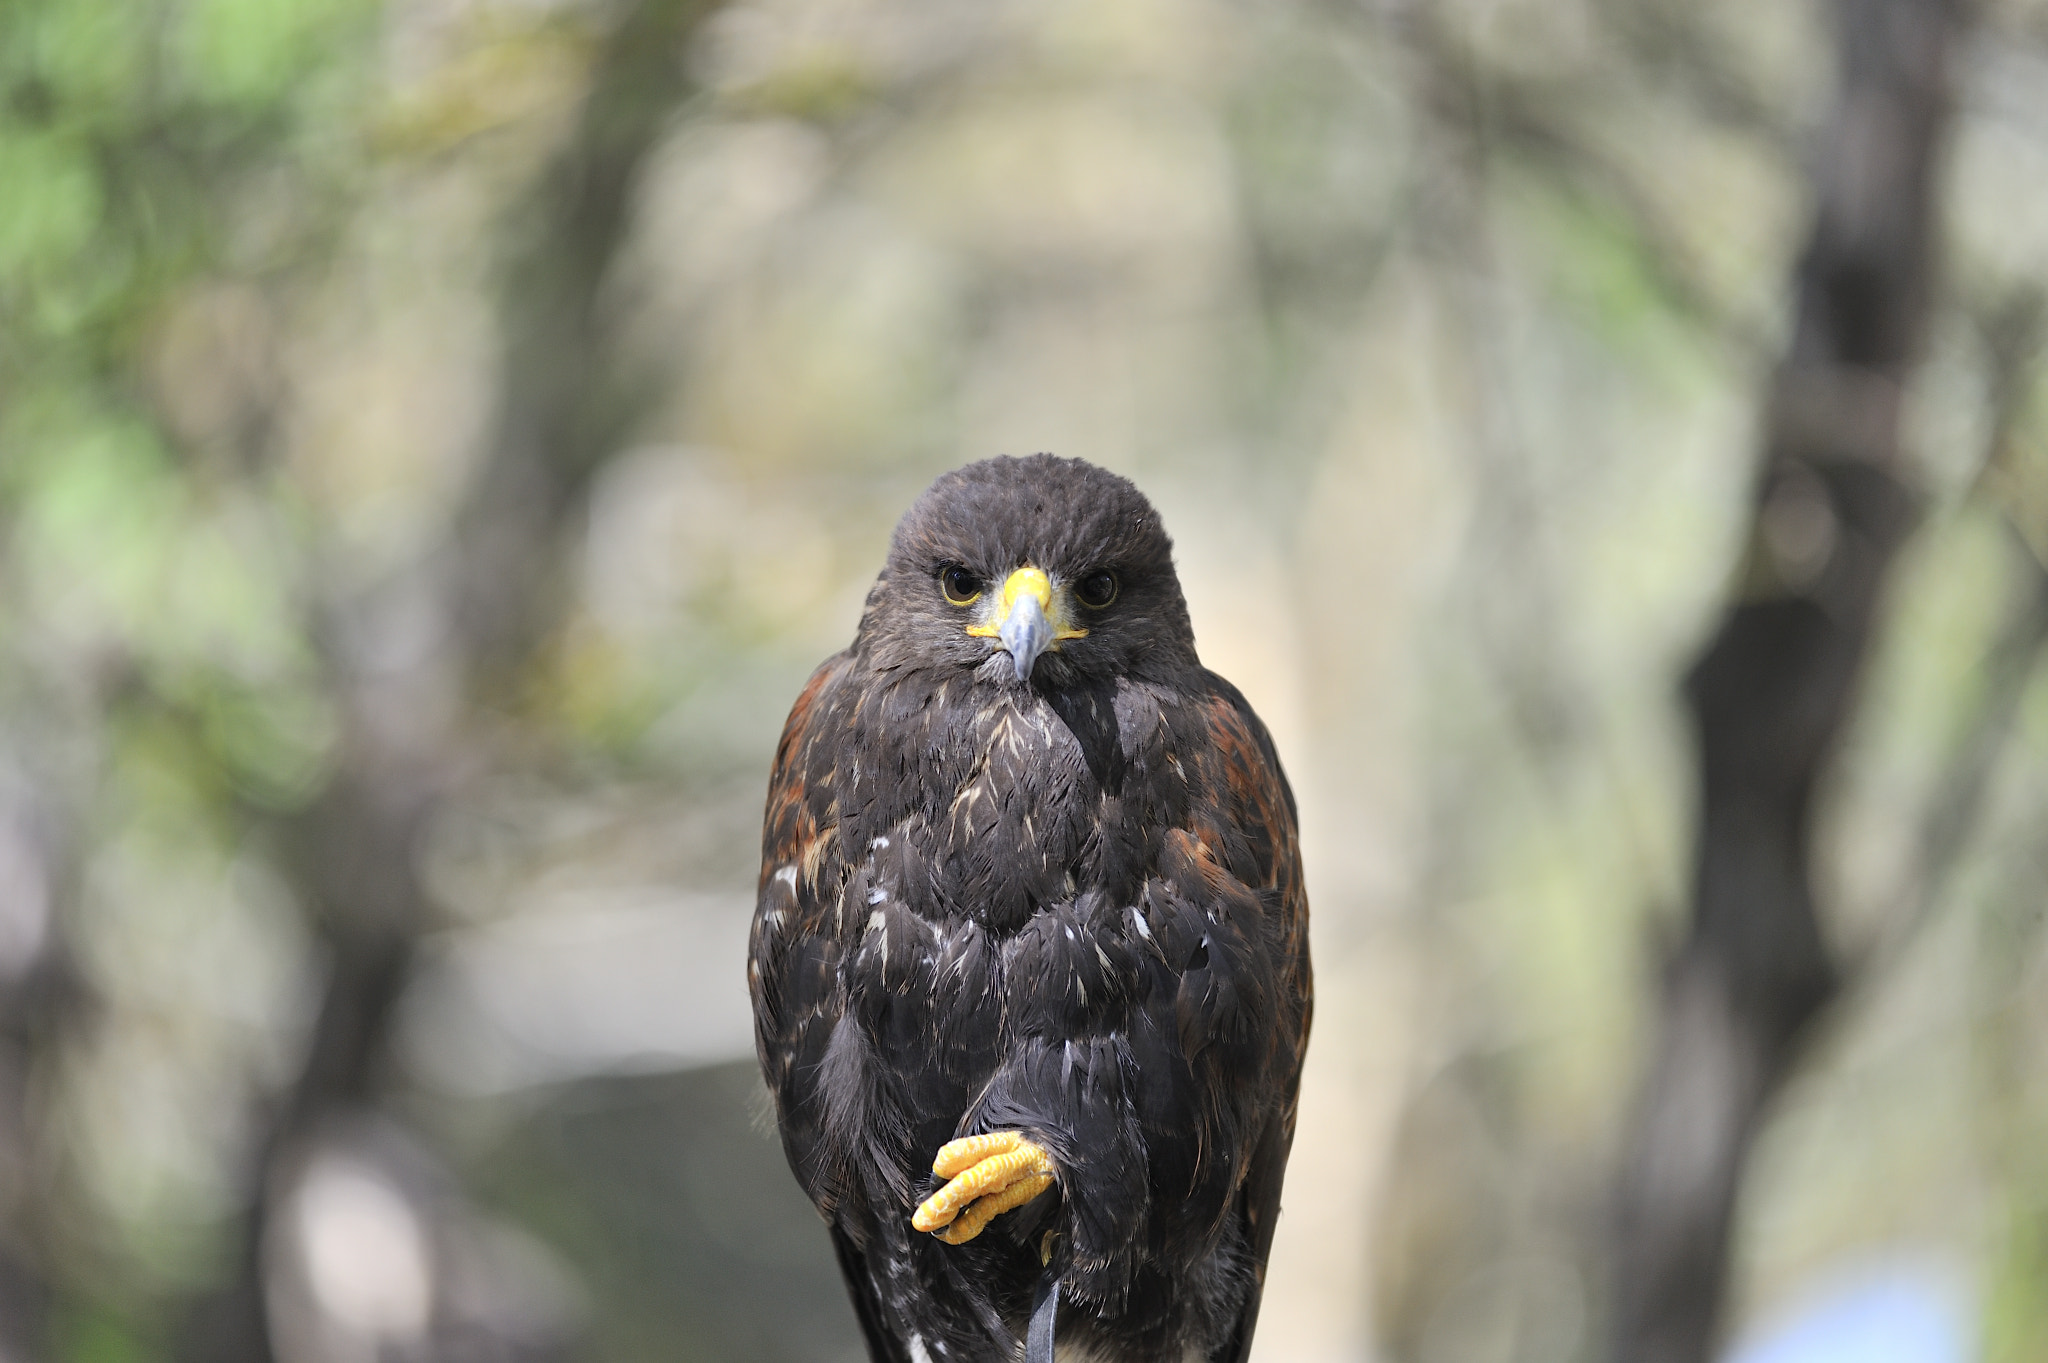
pixel 1096 590
pixel 961 587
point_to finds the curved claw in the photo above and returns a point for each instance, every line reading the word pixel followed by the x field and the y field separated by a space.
pixel 987 1176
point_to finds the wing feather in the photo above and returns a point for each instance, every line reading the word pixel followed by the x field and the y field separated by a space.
pixel 793 959
pixel 1261 811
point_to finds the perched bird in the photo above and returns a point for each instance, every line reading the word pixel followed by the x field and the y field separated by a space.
pixel 1030 962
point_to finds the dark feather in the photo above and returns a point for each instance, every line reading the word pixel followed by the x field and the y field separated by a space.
pixel 1070 907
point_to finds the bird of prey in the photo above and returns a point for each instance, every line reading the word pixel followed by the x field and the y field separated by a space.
pixel 1029 963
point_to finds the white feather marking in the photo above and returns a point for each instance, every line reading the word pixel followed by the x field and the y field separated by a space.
pixel 877 895
pixel 878 921
pixel 1144 928
pixel 1102 956
pixel 877 844
pixel 787 875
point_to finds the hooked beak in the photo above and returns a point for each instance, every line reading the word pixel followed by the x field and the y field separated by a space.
pixel 1025 632
pixel 1027 619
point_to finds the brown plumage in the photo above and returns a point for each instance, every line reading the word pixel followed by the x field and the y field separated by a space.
pixel 1029 869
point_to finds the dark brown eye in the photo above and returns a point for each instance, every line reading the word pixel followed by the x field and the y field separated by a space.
pixel 961 587
pixel 1096 590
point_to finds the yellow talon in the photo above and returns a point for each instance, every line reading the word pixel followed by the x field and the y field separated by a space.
pixel 957 1157
pixel 988 1175
pixel 991 1176
pixel 970 1223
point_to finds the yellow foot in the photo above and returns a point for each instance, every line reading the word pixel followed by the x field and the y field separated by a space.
pixel 989 1175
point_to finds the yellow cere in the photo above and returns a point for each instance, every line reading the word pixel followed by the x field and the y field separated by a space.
pixel 1028 581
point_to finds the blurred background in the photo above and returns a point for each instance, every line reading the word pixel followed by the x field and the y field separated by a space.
pixel 439 437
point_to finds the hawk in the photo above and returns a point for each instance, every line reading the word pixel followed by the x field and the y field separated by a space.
pixel 1030 964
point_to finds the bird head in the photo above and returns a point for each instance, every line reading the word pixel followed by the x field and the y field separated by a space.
pixel 1036 568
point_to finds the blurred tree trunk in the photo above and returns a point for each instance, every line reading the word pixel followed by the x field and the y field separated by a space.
pixel 44 1001
pixel 1773 690
pixel 418 664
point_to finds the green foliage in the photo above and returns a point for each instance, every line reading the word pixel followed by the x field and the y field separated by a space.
pixel 251 53
pixel 85 1336
pixel 150 622
pixel 50 199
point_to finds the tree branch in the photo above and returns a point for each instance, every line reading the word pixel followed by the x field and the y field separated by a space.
pixel 488 597
pixel 1775 687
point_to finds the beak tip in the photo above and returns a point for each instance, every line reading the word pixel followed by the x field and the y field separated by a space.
pixel 1025 634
